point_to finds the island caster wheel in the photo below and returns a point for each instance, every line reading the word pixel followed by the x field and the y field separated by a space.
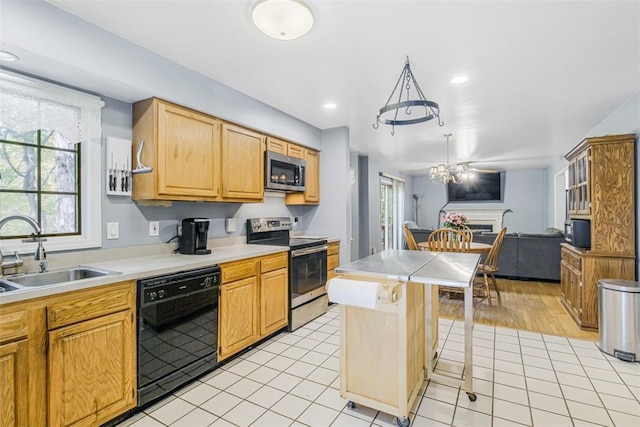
pixel 472 396
pixel 351 405
pixel 403 422
pixel 435 355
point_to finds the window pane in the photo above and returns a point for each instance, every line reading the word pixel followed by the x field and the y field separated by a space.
pixel 17 204
pixel 58 171
pixel 59 213
pixel 29 137
pixel 18 167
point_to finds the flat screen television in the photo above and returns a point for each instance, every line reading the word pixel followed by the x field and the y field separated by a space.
pixel 482 187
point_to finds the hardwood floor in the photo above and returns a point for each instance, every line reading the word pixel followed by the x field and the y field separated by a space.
pixel 527 305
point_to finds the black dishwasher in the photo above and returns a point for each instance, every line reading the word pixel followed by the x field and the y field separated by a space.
pixel 177 330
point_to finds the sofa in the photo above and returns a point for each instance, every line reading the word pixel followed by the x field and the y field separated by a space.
pixel 524 256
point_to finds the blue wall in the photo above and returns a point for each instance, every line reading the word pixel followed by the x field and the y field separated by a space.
pixel 525 193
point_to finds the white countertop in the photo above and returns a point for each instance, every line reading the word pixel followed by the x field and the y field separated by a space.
pixel 145 266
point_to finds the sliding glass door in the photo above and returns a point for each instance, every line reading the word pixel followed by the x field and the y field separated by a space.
pixel 391 212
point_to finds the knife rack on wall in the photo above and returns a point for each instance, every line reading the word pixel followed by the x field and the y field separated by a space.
pixel 118 167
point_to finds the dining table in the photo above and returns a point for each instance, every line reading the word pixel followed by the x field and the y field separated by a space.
pixel 474 247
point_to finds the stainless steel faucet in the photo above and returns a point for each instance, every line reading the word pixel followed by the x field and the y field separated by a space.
pixel 39 255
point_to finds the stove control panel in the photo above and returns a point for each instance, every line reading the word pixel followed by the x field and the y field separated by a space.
pixel 260 225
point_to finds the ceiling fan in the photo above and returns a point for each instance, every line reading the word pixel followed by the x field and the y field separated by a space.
pixel 455 173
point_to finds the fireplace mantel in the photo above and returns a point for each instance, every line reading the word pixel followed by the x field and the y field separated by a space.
pixel 493 217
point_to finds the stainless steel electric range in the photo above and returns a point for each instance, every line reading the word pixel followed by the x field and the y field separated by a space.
pixel 307 267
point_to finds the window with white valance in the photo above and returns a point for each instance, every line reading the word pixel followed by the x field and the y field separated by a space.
pixel 49 151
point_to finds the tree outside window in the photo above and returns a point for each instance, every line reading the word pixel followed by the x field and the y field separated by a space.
pixel 39 173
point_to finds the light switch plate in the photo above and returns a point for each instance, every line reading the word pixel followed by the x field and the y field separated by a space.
pixel 154 228
pixel 113 230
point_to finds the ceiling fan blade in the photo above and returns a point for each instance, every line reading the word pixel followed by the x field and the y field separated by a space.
pixel 482 170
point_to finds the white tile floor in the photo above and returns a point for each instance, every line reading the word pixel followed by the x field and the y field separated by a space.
pixel 520 378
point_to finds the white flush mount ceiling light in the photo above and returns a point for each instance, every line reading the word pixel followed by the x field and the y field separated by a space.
pixel 8 56
pixel 330 106
pixel 459 79
pixel 282 19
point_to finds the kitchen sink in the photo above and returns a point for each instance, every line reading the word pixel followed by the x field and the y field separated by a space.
pixel 54 277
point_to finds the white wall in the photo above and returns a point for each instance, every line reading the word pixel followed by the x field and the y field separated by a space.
pixel 525 193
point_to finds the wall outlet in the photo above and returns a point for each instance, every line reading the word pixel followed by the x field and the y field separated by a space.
pixel 154 228
pixel 230 225
pixel 113 230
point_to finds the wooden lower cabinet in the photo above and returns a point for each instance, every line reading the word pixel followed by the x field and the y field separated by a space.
pixel 580 271
pixel 91 370
pixel 14 392
pixel 68 359
pixel 254 301
pixel 274 304
pixel 238 316
pixel 333 259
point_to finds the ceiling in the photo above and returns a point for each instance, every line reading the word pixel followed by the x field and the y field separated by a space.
pixel 541 74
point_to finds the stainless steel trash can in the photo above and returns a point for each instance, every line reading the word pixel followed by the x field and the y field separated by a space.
pixel 619 318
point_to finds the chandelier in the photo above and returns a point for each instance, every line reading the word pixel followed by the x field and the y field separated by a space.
pixel 444 173
pixel 406 79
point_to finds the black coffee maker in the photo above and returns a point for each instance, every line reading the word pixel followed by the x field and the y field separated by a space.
pixel 193 240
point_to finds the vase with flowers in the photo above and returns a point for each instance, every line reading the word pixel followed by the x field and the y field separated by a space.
pixel 454 220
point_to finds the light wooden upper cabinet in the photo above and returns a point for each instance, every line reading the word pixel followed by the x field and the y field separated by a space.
pixel 286 148
pixel 311 195
pixel 242 164
pixel 182 146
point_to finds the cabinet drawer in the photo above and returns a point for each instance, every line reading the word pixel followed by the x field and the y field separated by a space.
pixel 239 270
pixel 273 262
pixel 333 261
pixel 80 309
pixel 334 248
pixel 575 263
pixel 14 325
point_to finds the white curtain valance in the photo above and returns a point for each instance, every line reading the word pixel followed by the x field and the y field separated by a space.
pixel 28 104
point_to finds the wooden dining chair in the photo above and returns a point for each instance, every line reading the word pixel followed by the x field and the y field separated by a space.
pixel 408 236
pixel 448 240
pixel 468 231
pixel 490 265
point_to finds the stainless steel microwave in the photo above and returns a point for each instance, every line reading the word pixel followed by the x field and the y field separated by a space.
pixel 284 173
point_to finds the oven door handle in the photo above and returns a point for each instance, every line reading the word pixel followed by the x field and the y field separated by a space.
pixel 307 251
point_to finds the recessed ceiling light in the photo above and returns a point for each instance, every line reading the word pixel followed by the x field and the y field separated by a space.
pixel 459 79
pixel 8 56
pixel 282 19
pixel 330 106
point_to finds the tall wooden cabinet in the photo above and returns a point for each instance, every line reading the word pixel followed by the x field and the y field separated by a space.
pixel 601 190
